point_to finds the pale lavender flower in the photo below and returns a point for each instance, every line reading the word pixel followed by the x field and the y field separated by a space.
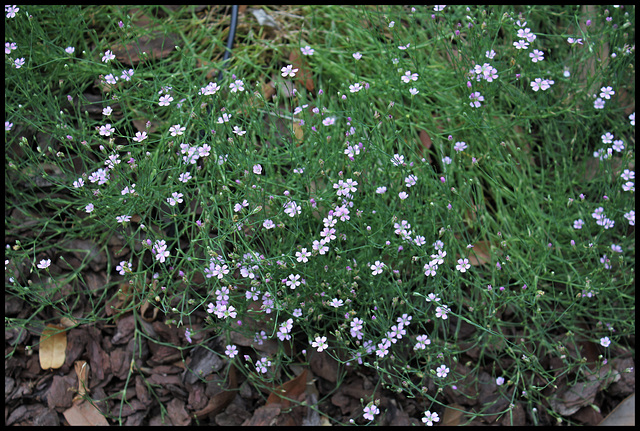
pixel 236 86
pixel 442 371
pixel 231 351
pixel 44 263
pixel 606 92
pixel 165 100
pixel 429 418
pixel 288 71
pixel 370 410
pixel 307 50
pixel 320 343
pixel 108 56
pixel 460 146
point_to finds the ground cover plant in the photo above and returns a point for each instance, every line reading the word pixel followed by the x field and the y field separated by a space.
pixel 438 201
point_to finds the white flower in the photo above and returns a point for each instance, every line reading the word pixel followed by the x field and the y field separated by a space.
pixel 377 268
pixel 292 209
pixel 320 343
pixel 289 71
pixel 44 264
pixel 442 371
pixel 429 418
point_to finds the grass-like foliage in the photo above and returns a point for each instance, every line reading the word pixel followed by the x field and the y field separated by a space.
pixel 443 194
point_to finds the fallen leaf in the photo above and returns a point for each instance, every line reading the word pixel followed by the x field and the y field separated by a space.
pixel 221 400
pixel 264 19
pixel 289 390
pixel 84 414
pixel 303 76
pixel 297 131
pixel 154 46
pixel 291 413
pixel 68 322
pixel 480 253
pixel 570 399
pixel 82 371
pixel 426 142
pixel 452 415
pixel 144 311
pixel 53 345
pixel 324 366
pixel 623 415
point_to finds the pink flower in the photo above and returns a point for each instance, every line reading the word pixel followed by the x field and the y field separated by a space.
pixel 429 418
pixel 288 71
pixel 320 343
pixel 370 411
pixel 463 265
pixel 44 263
pixel 106 130
pixel 165 100
pixel 442 371
pixel 108 56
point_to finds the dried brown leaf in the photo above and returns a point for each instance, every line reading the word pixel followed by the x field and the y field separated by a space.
pixel 84 414
pixel 324 366
pixel 426 142
pixel 298 132
pixel 480 253
pixel 221 400
pixel 569 399
pixel 304 75
pixel 148 312
pixel 154 46
pixel 53 346
pixel 82 371
pixel 453 415
pixel 623 415
pixel 291 390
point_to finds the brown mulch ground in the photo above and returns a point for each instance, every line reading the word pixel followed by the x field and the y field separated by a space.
pixel 159 386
